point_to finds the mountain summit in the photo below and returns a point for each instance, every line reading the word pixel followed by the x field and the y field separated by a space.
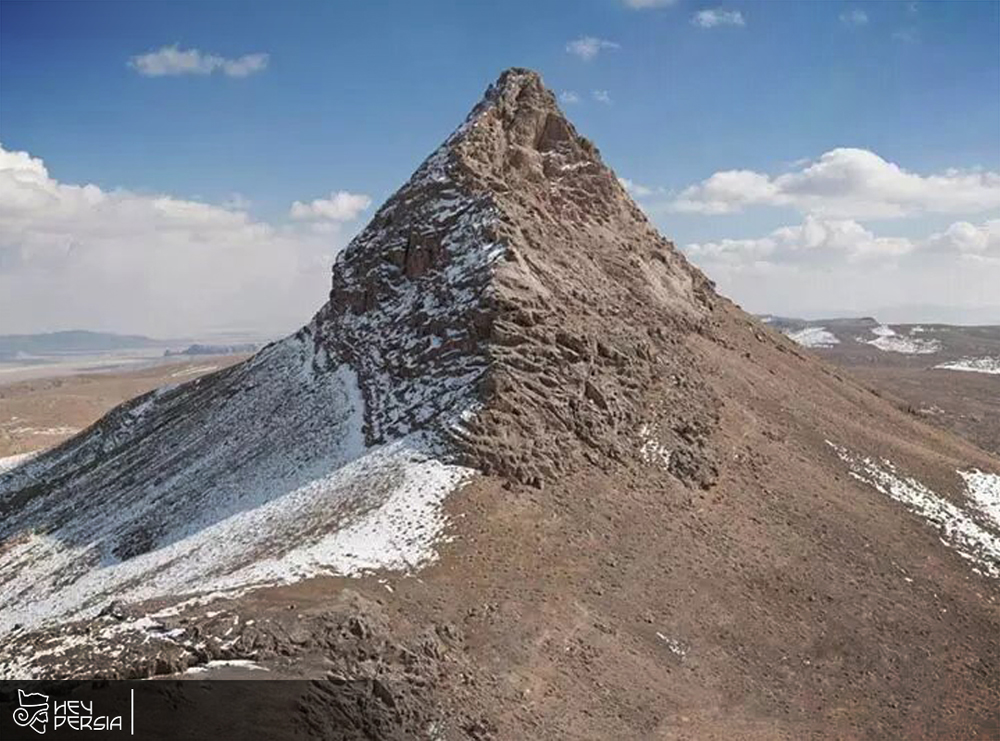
pixel 508 311
pixel 514 277
pixel 633 508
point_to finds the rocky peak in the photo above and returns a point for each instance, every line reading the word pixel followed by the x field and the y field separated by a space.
pixel 512 285
pixel 518 114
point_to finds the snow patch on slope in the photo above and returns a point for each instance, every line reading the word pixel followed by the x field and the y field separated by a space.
pixel 973 365
pixel 984 491
pixel 814 337
pixel 267 480
pixel 652 450
pixel 226 663
pixel 421 271
pixel 959 528
pixel 13 461
pixel 887 340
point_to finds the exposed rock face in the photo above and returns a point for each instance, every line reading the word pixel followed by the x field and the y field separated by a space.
pixel 513 275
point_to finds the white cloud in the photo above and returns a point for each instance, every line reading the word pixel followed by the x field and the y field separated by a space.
pixel 825 266
pixel 80 256
pixel 728 191
pixel 906 35
pixel 635 189
pixel 172 60
pixel 854 17
pixel 340 206
pixel 846 183
pixel 713 17
pixel 588 47
pixel 814 240
pixel 601 96
pixel 970 241
pixel 645 4
pixel 569 97
pixel 832 241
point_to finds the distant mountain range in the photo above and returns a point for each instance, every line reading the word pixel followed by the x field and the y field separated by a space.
pixel 199 349
pixel 78 341
pixel 13 346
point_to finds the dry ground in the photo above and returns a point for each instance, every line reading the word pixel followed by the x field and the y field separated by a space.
pixel 968 404
pixel 40 413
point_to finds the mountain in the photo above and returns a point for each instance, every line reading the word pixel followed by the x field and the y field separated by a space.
pixel 201 349
pixel 70 341
pixel 524 475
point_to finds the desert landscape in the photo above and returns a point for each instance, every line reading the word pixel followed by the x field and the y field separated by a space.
pixel 40 413
pixel 943 373
pixel 349 390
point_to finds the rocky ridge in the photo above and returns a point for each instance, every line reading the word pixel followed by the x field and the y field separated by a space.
pixel 513 293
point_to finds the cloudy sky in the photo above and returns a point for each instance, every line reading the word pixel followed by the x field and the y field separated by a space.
pixel 175 168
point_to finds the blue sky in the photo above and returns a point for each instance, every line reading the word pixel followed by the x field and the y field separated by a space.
pixel 354 95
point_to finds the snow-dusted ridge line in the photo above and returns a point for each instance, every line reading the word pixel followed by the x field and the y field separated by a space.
pixel 13 461
pixel 972 534
pixel 408 296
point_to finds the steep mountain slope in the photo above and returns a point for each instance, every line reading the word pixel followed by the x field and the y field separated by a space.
pixel 671 523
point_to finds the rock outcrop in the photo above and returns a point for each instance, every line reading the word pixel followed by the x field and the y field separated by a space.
pixel 514 294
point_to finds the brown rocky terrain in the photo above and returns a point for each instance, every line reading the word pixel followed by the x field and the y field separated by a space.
pixel 968 404
pixel 680 525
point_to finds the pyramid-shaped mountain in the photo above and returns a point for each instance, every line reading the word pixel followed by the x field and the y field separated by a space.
pixel 629 506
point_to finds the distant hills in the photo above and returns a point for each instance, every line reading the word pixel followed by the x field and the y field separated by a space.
pixel 79 341
pixel 14 346
pixel 199 349
pixel 850 340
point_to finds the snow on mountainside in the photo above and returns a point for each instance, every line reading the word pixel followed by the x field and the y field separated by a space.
pixel 960 527
pixel 267 479
pixel 13 461
pixel 263 473
pixel 990 366
pixel 956 347
pixel 450 337
pixel 887 340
